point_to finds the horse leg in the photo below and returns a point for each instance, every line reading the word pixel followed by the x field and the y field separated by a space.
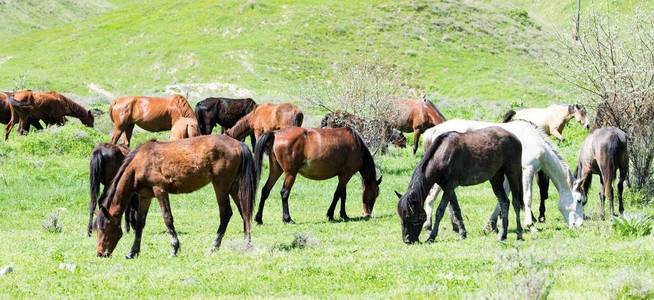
pixel 275 172
pixel 555 132
pixel 339 193
pixel 141 215
pixel 497 183
pixel 416 139
pixel 253 140
pixel 439 214
pixel 527 178
pixel 429 205
pixel 23 126
pixel 623 176
pixel 543 186
pixel 602 196
pixel 457 219
pixel 116 135
pixel 225 209
pixel 245 217
pixel 8 129
pixel 491 226
pixel 285 192
pixel 128 135
pixel 164 203
pixel 608 175
pixel 516 185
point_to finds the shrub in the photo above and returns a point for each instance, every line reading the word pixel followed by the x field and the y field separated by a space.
pixel 633 225
pixel 53 222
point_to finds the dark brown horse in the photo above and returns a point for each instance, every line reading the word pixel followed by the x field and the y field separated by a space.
pixel 157 169
pixel 463 159
pixel 105 160
pixel 150 113
pixel 51 107
pixel 266 118
pixel 417 116
pixel 224 112
pixel 317 154
pixel 388 134
pixel 604 152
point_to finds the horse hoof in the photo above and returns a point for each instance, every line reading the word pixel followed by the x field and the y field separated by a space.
pixel 430 240
pixel 464 236
pixel 131 255
pixel 345 218
pixel 541 219
pixel 289 221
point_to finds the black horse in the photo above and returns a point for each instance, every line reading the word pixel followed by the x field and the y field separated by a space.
pixel 463 159
pixel 224 112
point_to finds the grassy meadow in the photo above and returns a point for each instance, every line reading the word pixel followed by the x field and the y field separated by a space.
pixel 474 58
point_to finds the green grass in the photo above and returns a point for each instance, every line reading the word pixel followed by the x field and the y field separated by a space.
pixel 38 175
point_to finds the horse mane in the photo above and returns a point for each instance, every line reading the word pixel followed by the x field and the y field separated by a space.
pixel 418 184
pixel 438 112
pixel 185 109
pixel 75 109
pixel 121 171
pixel 368 170
pixel 549 147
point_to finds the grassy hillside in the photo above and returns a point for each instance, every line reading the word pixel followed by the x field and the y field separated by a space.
pixel 460 49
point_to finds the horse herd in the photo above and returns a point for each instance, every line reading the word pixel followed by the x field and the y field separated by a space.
pixel 457 153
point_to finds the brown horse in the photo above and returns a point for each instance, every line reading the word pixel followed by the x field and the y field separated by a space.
pixel 417 116
pixel 49 106
pixel 157 169
pixel 266 117
pixel 6 112
pixel 184 128
pixel 150 113
pixel 317 154
pixel 463 159
pixel 603 152
pixel 105 160
pixel 388 134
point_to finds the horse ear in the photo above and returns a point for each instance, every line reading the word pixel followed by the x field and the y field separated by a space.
pixel 380 180
pixel 398 194
pixel 577 107
pixel 104 211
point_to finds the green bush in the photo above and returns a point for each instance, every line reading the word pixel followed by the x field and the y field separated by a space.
pixel 633 225
pixel 71 139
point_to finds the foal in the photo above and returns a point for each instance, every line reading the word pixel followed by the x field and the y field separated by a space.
pixel 157 169
pixel 603 152
pixel 552 119
pixel 317 154
pixel 463 159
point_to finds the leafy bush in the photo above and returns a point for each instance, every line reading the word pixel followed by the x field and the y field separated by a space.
pixel 633 225
pixel 71 139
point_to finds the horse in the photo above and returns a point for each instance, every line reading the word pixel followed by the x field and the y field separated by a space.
pixel 463 159
pixel 388 134
pixel 105 160
pixel 150 113
pixel 417 116
pixel 317 154
pixel 184 128
pixel 603 152
pixel 157 169
pixel 552 119
pixel 538 155
pixel 266 117
pixel 224 112
pixel 6 112
pixel 52 107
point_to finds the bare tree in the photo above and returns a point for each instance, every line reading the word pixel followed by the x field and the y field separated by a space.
pixel 613 66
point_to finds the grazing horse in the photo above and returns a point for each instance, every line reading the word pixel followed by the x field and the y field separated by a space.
pixel 417 116
pixel 150 113
pixel 463 159
pixel 157 169
pixel 6 112
pixel 224 112
pixel 317 154
pixel 537 155
pixel 51 107
pixel 388 134
pixel 603 152
pixel 552 119
pixel 105 160
pixel 266 117
pixel 184 128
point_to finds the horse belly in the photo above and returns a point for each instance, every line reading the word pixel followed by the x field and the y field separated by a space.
pixel 319 170
pixel 155 126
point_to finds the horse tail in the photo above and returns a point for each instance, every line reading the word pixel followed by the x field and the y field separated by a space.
pixel 248 180
pixel 264 144
pixel 298 119
pixel 199 115
pixel 508 116
pixel 95 177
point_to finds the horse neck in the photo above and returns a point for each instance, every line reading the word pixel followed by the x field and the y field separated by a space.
pixel 242 127
pixel 122 195
pixel 73 109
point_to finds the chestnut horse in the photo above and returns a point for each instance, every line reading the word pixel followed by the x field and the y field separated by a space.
pixel 6 112
pixel 184 128
pixel 388 134
pixel 417 116
pixel 317 154
pixel 604 152
pixel 266 118
pixel 157 169
pixel 150 113
pixel 49 106
pixel 105 160
pixel 463 159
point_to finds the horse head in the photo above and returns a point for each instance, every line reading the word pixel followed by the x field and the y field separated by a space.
pixel 580 115
pixel 108 233
pixel 412 215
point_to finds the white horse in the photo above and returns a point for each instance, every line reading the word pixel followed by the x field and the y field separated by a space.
pixel 537 154
pixel 552 119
